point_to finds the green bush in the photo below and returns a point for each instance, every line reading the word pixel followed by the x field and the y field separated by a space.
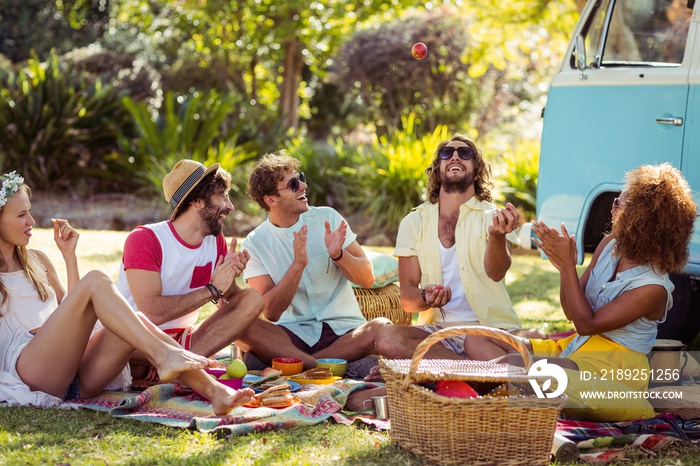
pixel 517 183
pixel 60 130
pixel 394 178
pixel 190 129
pixel 329 168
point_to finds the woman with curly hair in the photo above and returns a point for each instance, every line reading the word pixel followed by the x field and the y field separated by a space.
pixel 618 302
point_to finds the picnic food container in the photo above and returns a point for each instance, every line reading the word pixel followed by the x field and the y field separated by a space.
pixel 337 366
pixel 503 430
pixel 288 366
pixel 218 372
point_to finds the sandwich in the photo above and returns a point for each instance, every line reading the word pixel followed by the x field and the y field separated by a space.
pixel 278 396
pixel 317 373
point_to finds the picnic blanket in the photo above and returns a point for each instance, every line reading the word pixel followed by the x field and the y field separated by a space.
pixel 601 443
pixel 175 405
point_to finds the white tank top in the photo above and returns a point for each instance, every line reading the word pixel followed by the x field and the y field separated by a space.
pixel 458 309
pixel 23 301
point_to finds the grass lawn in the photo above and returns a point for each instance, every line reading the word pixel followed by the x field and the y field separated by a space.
pixel 52 436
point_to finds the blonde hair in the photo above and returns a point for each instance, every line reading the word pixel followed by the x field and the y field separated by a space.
pixel 33 268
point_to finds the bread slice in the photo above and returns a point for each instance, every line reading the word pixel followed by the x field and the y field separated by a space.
pixel 278 396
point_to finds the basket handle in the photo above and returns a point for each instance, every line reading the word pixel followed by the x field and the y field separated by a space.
pixel 477 330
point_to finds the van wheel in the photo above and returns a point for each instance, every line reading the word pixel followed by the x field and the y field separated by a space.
pixel 683 320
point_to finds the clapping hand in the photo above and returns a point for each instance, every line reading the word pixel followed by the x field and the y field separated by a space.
pixel 65 236
pixel 560 248
pixel 504 220
pixel 238 259
pixel 299 244
pixel 335 239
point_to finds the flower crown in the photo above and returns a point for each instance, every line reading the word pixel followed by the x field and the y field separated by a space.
pixel 10 184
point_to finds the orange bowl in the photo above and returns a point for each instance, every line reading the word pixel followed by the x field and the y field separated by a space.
pixel 288 366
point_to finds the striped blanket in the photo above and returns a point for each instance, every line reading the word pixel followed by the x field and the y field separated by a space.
pixel 601 443
pixel 174 405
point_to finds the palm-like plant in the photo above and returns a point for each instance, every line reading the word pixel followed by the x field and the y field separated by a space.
pixel 56 128
pixel 394 179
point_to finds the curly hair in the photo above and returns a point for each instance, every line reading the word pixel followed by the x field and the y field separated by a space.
pixel 267 173
pixel 656 222
pixel 33 268
pixel 482 169
pixel 216 182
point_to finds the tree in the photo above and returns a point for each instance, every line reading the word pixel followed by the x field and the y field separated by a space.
pixel 38 25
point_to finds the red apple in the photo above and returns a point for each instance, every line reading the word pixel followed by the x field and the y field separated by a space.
pixel 419 50
pixel 455 389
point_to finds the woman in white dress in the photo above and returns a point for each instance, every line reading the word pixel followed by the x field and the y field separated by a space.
pixel 59 345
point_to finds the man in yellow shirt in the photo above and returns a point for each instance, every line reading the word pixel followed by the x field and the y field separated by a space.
pixel 454 252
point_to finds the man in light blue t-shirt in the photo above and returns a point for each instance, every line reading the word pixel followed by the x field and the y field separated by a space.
pixel 302 261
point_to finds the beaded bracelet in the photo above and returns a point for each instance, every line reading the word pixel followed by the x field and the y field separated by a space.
pixel 215 293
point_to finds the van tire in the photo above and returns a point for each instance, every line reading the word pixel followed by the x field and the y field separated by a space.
pixel 683 320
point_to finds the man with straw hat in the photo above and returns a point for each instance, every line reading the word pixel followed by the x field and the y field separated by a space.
pixel 172 268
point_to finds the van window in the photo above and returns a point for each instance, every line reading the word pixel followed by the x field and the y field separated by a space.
pixel 639 32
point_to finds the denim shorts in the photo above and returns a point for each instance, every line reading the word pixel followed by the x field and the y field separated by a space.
pixel 73 390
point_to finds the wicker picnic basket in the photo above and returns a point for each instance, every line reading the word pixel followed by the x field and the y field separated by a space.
pixel 382 302
pixel 506 430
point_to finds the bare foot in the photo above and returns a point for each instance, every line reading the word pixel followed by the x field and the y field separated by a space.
pixel 374 375
pixel 356 399
pixel 225 400
pixel 178 360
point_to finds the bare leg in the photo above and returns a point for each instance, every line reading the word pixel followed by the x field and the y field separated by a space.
pixel 355 344
pixel 60 346
pixel 228 323
pixel 223 399
pixel 400 341
pixel 270 341
pixel 487 348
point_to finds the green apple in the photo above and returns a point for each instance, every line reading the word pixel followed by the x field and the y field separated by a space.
pixel 224 377
pixel 236 369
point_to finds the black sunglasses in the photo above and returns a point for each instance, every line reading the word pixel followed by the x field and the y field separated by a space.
pixel 294 183
pixel 464 153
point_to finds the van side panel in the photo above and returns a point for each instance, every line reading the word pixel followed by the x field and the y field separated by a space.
pixel 691 151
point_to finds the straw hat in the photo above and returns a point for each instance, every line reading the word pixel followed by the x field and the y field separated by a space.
pixel 182 179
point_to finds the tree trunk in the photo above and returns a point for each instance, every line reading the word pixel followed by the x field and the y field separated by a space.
pixel 291 74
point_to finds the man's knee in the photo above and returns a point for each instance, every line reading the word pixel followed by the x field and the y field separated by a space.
pixel 251 300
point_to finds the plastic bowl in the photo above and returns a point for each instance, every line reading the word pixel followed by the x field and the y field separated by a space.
pixel 288 366
pixel 337 366
pixel 236 384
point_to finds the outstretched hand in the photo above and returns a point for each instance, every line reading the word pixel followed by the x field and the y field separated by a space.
pixel 65 236
pixel 335 239
pixel 504 220
pixel 560 248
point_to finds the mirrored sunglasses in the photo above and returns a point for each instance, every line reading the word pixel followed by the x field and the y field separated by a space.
pixel 464 153
pixel 294 183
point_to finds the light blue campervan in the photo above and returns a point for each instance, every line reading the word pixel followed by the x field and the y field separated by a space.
pixel 627 94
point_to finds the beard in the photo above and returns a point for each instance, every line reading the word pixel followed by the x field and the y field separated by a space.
pixel 456 185
pixel 210 215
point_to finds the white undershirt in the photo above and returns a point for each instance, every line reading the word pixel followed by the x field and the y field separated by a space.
pixel 458 309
